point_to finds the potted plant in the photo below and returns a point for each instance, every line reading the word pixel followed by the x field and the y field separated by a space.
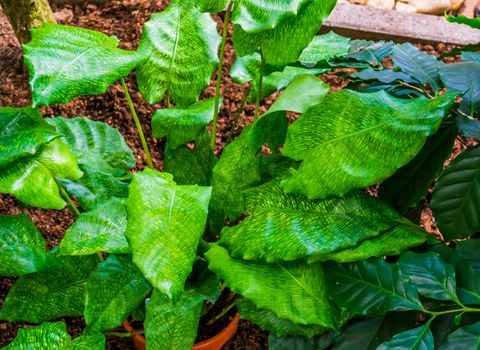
pixel 277 226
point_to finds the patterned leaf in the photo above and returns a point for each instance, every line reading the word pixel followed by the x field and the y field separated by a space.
pixel 56 292
pixel 180 45
pixel 114 290
pixel 99 230
pixel 299 288
pixel 370 287
pixel 472 22
pixel 165 225
pixel 324 47
pixel 211 5
pixel 22 246
pixel 467 337
pixel 65 62
pixel 419 338
pixel 455 200
pixel 341 140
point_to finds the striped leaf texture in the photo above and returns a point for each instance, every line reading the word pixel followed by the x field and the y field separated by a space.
pixel 65 62
pixel 211 5
pixel 455 200
pixel 165 225
pixel 341 140
pixel 180 47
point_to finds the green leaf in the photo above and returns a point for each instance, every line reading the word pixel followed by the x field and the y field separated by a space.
pixel 370 287
pixel 32 179
pixel 95 341
pixel 341 139
pixel 270 322
pixel 99 230
pixel 472 22
pixel 387 76
pixel 469 250
pixel 324 47
pixel 467 337
pixel 180 45
pixel 410 184
pixel 22 246
pixel 182 126
pixel 294 32
pixel 23 132
pixel 65 62
pixel 469 127
pixel 418 64
pixel 299 289
pixel 419 338
pixel 95 144
pixel 172 325
pixel 48 336
pixel 56 292
pixel 294 227
pixel 165 225
pixel 470 57
pixel 455 200
pixel 114 290
pixel 258 16
pixel 320 342
pixel 211 5
pixel 432 277
pixel 246 68
pixel 464 78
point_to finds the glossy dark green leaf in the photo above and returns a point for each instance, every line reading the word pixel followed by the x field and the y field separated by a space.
pixel 472 22
pixel 299 288
pixel 294 227
pixel 441 327
pixel 180 45
pixel 270 322
pixel 467 337
pixel 324 47
pixel 387 76
pixel 172 325
pixel 370 287
pixel 410 184
pixel 320 342
pixel 464 78
pixel 100 230
pixel 469 127
pixel 341 139
pixel 469 250
pixel 455 200
pixel 65 62
pixel 294 32
pixel 56 292
pixel 165 225
pixel 95 144
pixel 114 290
pixel 23 132
pixel 211 5
pixel 418 64
pixel 182 126
pixel 432 277
pixel 419 338
pixel 22 246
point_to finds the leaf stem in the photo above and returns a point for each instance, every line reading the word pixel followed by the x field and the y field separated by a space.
pixel 413 87
pixel 138 125
pixel 224 311
pixel 226 21
pixel 259 89
pixel 68 199
pixel 119 334
pixel 462 310
pixel 239 113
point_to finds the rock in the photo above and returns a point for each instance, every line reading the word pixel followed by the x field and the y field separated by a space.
pixel 381 4
pixel 63 16
pixel 455 5
pixel 403 7
pixel 359 2
pixel 432 7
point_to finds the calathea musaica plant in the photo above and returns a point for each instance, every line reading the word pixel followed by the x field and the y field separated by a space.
pixel 313 259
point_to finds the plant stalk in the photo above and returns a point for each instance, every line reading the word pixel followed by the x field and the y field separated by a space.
pixel 259 90
pixel 224 311
pixel 226 21
pixel 138 125
pixel 69 200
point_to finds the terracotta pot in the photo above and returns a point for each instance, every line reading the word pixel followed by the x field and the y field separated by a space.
pixel 214 343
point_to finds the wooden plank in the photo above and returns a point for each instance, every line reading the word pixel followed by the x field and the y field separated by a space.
pixel 363 22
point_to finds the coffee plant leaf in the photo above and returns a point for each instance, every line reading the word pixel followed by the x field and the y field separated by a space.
pixel 467 337
pixel 468 127
pixel 420 338
pixel 288 342
pixel 468 249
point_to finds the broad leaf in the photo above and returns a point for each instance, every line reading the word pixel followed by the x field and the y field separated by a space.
pixel 470 57
pixel 293 227
pixel 464 78
pixel 95 341
pixel 410 184
pixel 22 246
pixel 472 22
pixel 114 290
pixel 323 48
pixel 180 45
pixel 211 5
pixel 65 62
pixel 56 292
pixel 467 337
pixel 455 200
pixel 469 250
pixel 370 287
pixel 430 275
pixel 469 127
pixel 418 64
pixel 299 289
pixel 99 230
pixel 387 76
pixel 419 338
pixel 319 342
pixel 23 132
pixel 270 322
pixel 182 126
pixel 165 225
pixel 341 139
pixel 246 68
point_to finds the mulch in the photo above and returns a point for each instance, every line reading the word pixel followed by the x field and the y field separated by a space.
pixel 124 19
